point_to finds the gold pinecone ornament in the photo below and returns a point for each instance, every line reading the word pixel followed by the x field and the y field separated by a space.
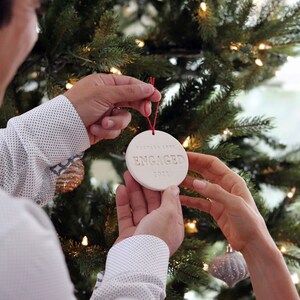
pixel 71 178
pixel 230 267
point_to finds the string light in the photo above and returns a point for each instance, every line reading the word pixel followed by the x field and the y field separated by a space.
pixel 291 193
pixel 235 46
pixel 186 143
pixel 263 46
pixel 69 85
pixel 140 43
pixel 85 241
pixel 87 49
pixel 115 71
pixel 259 62
pixel 295 278
pixel 282 249
pixel 205 267
pixel 203 6
pixel 191 226
pixel 226 133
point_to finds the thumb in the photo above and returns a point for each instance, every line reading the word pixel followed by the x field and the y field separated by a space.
pixel 170 200
pixel 128 93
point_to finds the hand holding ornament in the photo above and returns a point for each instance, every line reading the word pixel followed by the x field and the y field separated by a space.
pixel 95 97
pixel 233 208
pixel 147 212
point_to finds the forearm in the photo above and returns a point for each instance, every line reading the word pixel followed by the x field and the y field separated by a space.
pixel 136 268
pixel 269 274
pixel 36 141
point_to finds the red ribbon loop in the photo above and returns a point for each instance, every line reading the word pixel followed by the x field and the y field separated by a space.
pixel 152 126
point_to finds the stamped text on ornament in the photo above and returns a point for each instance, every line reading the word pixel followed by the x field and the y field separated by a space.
pixel 156 147
pixel 156 161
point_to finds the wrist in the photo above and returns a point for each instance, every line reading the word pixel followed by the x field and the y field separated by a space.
pixel 263 252
pixel 261 247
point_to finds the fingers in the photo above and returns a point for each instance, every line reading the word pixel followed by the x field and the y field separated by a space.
pixel 153 199
pixel 137 200
pixel 198 203
pixel 124 95
pixel 170 201
pixel 208 166
pixel 111 126
pixel 99 133
pixel 123 209
pixel 214 170
pixel 118 120
pixel 111 79
pixel 215 192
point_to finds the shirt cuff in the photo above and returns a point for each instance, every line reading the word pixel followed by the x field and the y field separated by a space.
pixel 55 128
pixel 145 254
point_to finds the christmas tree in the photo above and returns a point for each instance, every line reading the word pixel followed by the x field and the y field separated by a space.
pixel 203 54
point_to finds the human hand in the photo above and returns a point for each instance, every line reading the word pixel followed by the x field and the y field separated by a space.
pixel 231 203
pixel 95 97
pixel 142 211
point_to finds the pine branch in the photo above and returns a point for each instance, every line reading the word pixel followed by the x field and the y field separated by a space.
pixel 251 126
pixel 89 259
pixel 187 263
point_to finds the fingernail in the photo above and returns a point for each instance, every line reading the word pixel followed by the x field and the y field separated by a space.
pixel 174 190
pixel 110 124
pixel 147 88
pixel 199 184
pixel 148 108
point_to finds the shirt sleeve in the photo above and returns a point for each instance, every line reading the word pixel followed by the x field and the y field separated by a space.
pixel 34 143
pixel 32 265
pixel 136 268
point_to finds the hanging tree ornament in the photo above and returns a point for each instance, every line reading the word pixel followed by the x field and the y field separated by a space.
pixel 156 159
pixel 230 267
pixel 71 178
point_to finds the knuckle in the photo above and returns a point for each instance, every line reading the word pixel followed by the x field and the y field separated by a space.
pixel 239 187
pixel 130 90
pixel 112 134
pixel 216 188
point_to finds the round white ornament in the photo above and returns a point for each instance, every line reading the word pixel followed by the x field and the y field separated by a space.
pixel 156 161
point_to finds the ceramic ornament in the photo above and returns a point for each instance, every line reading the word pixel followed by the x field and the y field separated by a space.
pixel 157 160
pixel 230 267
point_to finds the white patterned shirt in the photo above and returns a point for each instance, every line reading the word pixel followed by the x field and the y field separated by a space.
pixel 34 149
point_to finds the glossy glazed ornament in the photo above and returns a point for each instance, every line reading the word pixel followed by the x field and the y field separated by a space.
pixel 71 178
pixel 230 267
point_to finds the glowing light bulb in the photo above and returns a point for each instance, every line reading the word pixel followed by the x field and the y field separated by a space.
pixel 140 43
pixel 186 143
pixel 295 278
pixel 191 226
pixel 205 267
pixel 234 48
pixel 85 241
pixel 69 86
pixel 259 62
pixel 291 193
pixel 115 71
pixel 87 49
pixel 282 249
pixel 203 6
pixel 262 46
